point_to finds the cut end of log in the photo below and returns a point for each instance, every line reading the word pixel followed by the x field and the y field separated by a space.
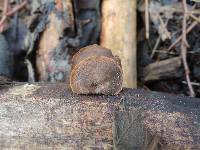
pixel 96 71
pixel 88 51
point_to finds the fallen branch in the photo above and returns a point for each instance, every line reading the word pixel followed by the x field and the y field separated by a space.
pixel 184 43
pixel 163 69
pixel 7 13
pixel 180 37
pixel 147 19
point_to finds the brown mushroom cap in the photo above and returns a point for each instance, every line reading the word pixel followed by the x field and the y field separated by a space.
pixel 96 75
pixel 88 51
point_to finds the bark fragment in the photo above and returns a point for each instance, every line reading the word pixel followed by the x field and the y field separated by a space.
pixel 169 68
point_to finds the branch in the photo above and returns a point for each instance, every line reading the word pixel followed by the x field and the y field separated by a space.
pixel 184 50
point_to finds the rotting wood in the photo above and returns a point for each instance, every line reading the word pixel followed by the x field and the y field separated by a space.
pixel 46 116
pixel 169 68
pixel 96 71
pixel 119 34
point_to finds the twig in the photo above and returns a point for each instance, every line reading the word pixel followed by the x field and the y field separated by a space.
pixel 155 46
pixel 3 20
pixel 159 38
pixel 193 83
pixel 180 37
pixel 59 5
pixel 6 6
pixel 195 18
pixel 163 25
pixel 17 8
pixel 7 13
pixel 147 19
pixel 164 51
pixel 184 50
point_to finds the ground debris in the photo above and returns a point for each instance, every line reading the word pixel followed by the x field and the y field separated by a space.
pixel 172 27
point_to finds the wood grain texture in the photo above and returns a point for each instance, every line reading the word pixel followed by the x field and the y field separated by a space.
pixel 119 34
pixel 96 71
pixel 164 69
pixel 50 116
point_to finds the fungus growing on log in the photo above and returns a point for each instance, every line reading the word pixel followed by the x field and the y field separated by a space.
pixel 96 71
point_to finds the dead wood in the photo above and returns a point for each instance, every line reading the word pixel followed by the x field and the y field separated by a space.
pixel 89 51
pixel 53 54
pixel 119 34
pixel 96 71
pixel 46 116
pixel 169 68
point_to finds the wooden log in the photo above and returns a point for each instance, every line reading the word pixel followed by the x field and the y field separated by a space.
pixel 50 116
pixel 119 34
pixel 96 71
pixel 169 68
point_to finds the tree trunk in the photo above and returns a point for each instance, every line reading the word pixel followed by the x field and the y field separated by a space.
pixel 119 34
pixel 50 116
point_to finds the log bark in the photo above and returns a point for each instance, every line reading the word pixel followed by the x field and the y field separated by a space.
pixel 164 69
pixel 119 34
pixel 50 116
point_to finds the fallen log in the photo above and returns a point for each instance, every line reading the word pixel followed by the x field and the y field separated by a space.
pixel 164 69
pixel 50 116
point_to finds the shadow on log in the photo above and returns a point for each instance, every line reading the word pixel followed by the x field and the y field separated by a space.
pixel 50 116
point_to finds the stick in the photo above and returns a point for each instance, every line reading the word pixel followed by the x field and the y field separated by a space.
pixel 147 19
pixel 7 13
pixel 180 37
pixel 184 51
pixel 17 8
